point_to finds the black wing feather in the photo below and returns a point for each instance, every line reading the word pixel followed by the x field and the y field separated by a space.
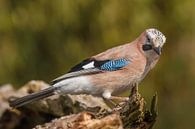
pixel 99 66
pixel 79 66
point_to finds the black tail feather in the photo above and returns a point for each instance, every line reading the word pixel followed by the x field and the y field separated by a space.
pixel 32 97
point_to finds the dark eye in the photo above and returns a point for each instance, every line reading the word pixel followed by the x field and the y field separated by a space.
pixel 148 39
pixel 147 47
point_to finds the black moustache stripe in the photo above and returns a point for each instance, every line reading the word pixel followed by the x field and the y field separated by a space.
pixel 147 47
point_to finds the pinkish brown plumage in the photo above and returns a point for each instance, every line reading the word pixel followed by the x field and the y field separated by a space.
pixel 120 80
pixel 108 73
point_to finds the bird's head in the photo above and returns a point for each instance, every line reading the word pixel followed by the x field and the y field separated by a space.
pixel 152 42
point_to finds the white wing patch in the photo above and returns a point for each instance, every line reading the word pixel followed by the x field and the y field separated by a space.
pixel 90 65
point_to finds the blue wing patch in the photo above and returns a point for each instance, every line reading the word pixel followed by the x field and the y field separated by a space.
pixel 92 66
pixel 113 65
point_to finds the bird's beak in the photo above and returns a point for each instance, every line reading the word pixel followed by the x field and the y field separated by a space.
pixel 157 50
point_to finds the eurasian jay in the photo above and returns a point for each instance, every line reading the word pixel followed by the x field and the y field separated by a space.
pixel 108 73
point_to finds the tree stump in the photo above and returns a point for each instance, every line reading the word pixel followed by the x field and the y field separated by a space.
pixel 74 111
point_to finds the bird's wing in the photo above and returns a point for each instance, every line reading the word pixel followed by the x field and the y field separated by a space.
pixel 92 66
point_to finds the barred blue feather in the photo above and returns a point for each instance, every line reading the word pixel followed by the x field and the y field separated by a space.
pixel 113 65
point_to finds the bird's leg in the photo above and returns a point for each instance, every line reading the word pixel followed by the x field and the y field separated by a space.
pixel 110 103
pixel 117 98
pixel 111 99
pixel 121 101
pixel 107 95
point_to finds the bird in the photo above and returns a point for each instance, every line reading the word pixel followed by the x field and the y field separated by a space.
pixel 109 73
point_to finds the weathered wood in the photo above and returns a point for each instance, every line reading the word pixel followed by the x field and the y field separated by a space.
pixel 74 111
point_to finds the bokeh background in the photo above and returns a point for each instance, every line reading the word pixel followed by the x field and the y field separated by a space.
pixel 42 39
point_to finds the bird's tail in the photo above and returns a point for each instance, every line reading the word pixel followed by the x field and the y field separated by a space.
pixel 32 97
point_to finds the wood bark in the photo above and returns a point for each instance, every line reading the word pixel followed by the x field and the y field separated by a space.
pixel 74 111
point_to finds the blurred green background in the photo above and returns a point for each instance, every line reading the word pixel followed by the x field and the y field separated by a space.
pixel 42 39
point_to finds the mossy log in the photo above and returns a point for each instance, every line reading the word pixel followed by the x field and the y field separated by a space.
pixel 74 111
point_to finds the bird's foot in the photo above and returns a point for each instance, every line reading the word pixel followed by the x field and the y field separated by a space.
pixel 122 102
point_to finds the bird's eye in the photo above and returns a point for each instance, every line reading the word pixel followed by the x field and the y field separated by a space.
pixel 148 39
pixel 147 47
